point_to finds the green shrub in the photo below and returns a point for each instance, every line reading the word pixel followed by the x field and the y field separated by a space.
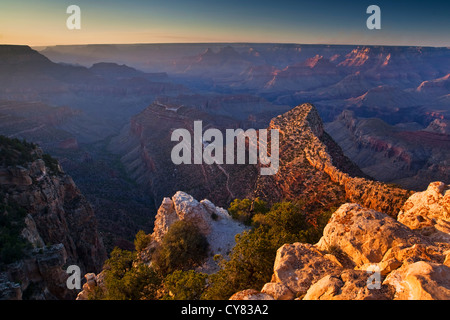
pixel 185 285
pixel 249 266
pixel 141 240
pixel 123 281
pixel 243 210
pixel 250 263
pixel 182 248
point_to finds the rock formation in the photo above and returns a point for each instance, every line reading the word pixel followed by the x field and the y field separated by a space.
pixel 365 254
pixel 213 222
pixel 428 212
pixel 406 155
pixel 60 226
pixel 313 166
pixel 145 146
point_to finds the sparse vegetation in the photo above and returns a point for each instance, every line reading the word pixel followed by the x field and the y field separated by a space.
pixel 168 276
pixel 141 241
pixel 182 248
pixel 123 281
pixel 184 285
pixel 16 152
pixel 244 209
pixel 251 260
pixel 171 275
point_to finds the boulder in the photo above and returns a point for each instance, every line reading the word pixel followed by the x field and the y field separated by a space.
pixel 189 209
pixel 365 235
pixel 278 290
pixel 165 217
pixel 421 280
pixel 349 285
pixel 299 265
pixel 409 258
pixel 429 212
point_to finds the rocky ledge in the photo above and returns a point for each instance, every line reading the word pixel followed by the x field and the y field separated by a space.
pixel 213 222
pixel 365 254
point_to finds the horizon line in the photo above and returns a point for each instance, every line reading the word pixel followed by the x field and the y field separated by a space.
pixel 225 42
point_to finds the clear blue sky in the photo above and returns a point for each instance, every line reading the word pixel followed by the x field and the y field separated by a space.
pixel 43 22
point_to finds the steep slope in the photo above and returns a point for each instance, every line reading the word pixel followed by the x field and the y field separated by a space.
pixel 145 147
pixel 58 224
pixel 314 168
pixel 38 122
pixel 393 154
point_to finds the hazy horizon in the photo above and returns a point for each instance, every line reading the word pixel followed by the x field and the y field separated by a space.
pixel 403 23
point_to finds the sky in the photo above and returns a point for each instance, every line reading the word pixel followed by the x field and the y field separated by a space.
pixel 43 22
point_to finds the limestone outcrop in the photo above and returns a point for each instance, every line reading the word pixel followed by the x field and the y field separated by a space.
pixel 365 254
pixel 213 222
pixel 428 212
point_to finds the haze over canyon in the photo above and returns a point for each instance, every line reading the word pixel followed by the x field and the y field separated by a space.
pixel 366 125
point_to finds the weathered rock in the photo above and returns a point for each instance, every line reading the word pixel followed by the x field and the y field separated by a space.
pixel 165 217
pixel 365 235
pixel 421 281
pixel 308 153
pixel 359 245
pixel 251 294
pixel 9 290
pixel 213 222
pixel 41 275
pixel 429 212
pixel 278 291
pixel 349 285
pixel 417 252
pixel 31 234
pixel 299 265
pixel 183 206
pixel 60 225
pixel 59 213
pixel 189 209
pixel 93 282
pixel 326 288
pixel 16 176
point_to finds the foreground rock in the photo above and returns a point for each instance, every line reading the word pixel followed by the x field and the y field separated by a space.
pixel 365 254
pixel 428 212
pixel 299 265
pixel 421 280
pixel 364 235
pixel 213 222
